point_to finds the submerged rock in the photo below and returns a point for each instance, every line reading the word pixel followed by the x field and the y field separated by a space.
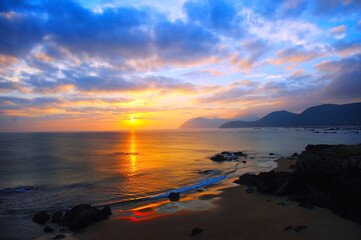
pixel 41 217
pixel 228 156
pixel 173 196
pixel 218 158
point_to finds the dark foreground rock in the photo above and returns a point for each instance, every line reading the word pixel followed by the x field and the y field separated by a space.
pixel 41 217
pixel 76 218
pixel 84 215
pixel 326 176
pixel 173 196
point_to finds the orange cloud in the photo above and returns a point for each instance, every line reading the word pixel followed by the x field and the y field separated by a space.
pixel 7 60
pixel 294 55
pixel 43 57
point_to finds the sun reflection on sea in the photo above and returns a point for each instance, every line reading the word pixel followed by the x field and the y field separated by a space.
pixel 133 151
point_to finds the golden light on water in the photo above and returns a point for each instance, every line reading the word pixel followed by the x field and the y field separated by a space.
pixel 133 151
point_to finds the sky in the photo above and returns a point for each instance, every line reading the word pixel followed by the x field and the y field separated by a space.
pixel 78 65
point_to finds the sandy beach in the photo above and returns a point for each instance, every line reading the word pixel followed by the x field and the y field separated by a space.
pixel 234 214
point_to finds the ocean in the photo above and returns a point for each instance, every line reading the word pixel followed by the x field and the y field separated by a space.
pixel 53 171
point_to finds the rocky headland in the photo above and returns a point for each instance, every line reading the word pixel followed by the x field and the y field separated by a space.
pixel 327 176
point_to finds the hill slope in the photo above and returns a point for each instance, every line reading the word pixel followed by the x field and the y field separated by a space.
pixel 322 115
pixel 203 123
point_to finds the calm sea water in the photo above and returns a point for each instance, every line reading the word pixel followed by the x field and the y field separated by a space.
pixel 126 169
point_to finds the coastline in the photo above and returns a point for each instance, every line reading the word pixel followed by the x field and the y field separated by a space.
pixel 233 214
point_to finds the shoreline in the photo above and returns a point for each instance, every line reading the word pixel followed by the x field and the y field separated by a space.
pixel 233 214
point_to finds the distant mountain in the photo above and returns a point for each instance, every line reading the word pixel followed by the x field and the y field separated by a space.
pixel 322 115
pixel 204 123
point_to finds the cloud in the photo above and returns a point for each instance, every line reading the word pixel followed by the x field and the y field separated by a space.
pixel 299 75
pixel 218 15
pixel 338 32
pixel 343 76
pixel 295 54
pixel 347 48
pixel 255 50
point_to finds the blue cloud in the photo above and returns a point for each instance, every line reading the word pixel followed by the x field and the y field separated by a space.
pixel 218 15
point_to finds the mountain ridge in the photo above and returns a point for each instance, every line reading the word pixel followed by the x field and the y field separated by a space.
pixel 321 115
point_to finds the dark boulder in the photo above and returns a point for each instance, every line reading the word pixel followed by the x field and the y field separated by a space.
pixel 48 229
pixel 41 217
pixel 106 210
pixel 174 196
pixel 244 161
pixel 196 231
pixel 293 166
pixel 267 182
pixel 56 217
pixel 250 190
pixel 84 215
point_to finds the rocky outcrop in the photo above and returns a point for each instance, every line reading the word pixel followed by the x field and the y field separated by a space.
pixel 228 156
pixel 326 176
pixel 84 215
pixel 76 218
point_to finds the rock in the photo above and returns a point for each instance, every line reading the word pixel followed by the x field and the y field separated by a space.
pixel 226 153
pixel 329 176
pixel 267 182
pixel 292 166
pixel 218 158
pixel 299 228
pixel 84 215
pixel 244 161
pixel 271 154
pixel 239 154
pixel 57 217
pixel 250 190
pixel 41 217
pixel 106 210
pixel 48 229
pixel 281 203
pixel 306 205
pixel 173 196
pixel 288 228
pixel 59 236
pixel 294 155
pixel 196 231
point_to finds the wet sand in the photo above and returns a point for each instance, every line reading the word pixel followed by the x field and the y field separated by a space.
pixel 234 214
